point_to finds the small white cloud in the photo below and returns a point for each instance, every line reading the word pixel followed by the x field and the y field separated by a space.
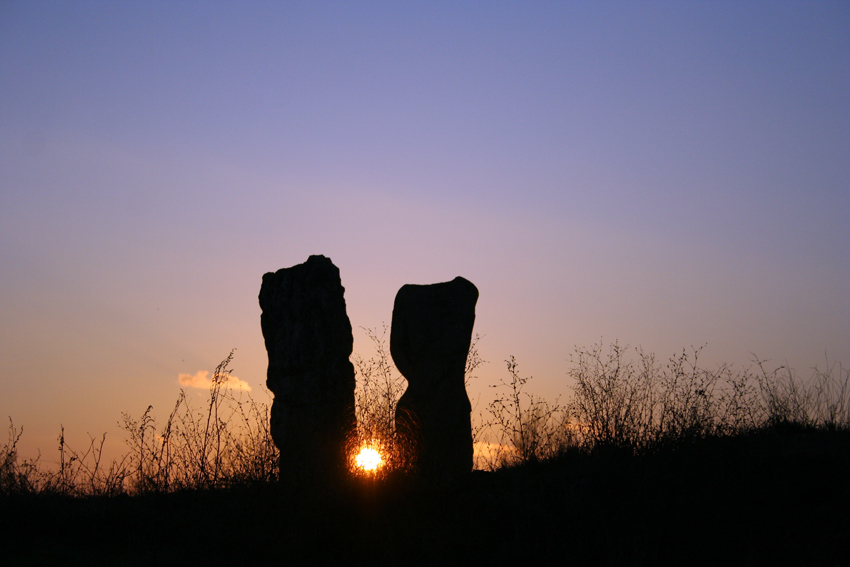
pixel 201 380
pixel 198 380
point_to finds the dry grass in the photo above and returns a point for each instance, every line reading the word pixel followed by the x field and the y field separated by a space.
pixel 520 427
pixel 643 463
pixel 637 404
pixel 379 387
pixel 227 442
pixel 621 398
pixel 224 443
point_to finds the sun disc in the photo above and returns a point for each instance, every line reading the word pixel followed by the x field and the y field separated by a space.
pixel 369 459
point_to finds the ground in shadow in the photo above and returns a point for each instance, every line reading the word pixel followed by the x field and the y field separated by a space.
pixel 775 496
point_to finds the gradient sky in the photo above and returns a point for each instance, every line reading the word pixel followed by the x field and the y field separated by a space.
pixel 661 174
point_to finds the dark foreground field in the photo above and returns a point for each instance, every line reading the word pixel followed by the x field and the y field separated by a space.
pixel 777 496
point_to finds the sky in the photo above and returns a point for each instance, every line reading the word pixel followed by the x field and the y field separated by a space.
pixel 660 174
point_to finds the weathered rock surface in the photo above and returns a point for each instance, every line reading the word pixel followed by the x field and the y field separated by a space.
pixel 429 342
pixel 309 341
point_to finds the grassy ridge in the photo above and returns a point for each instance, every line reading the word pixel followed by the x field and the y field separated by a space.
pixel 774 496
pixel 644 464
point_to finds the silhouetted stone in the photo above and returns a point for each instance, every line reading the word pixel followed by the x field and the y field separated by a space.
pixel 429 342
pixel 309 341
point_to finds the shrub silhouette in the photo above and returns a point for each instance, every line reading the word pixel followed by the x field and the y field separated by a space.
pixel 621 398
pixel 643 464
pixel 521 427
pixel 640 405
pixel 227 443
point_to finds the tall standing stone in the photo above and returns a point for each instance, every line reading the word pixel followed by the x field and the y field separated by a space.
pixel 429 342
pixel 309 342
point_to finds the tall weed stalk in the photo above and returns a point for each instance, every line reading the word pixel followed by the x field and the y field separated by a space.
pixel 226 443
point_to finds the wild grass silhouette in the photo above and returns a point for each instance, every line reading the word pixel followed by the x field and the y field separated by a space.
pixel 641 463
pixel 225 443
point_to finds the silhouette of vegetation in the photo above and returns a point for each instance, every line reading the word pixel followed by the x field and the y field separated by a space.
pixel 640 406
pixel 621 399
pixel 521 427
pixel 643 463
pixel 379 387
pixel 227 443
pixel 78 474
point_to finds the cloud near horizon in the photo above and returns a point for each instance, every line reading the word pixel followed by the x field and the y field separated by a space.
pixel 201 380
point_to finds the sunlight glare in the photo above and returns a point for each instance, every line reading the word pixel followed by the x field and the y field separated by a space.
pixel 369 459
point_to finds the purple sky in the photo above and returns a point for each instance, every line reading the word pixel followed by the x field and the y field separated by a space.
pixel 662 174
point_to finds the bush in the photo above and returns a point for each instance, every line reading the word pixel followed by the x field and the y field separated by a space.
pixel 639 405
pixel 521 427
pixel 620 398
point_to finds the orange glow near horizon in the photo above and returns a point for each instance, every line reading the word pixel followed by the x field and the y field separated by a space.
pixel 369 460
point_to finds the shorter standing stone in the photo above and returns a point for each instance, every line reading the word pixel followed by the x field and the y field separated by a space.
pixel 429 342
pixel 309 342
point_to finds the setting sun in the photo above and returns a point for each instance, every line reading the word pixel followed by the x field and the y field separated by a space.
pixel 369 459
